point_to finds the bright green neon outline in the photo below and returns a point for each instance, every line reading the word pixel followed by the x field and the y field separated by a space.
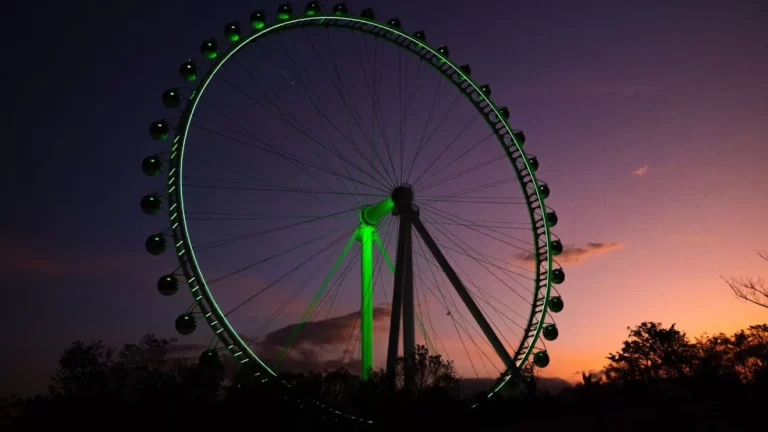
pixel 182 235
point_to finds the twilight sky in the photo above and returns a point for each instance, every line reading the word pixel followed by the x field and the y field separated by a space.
pixel 648 119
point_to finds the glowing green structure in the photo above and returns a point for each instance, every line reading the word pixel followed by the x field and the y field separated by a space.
pixel 400 204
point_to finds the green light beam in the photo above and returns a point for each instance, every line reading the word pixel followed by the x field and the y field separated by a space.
pixel 312 305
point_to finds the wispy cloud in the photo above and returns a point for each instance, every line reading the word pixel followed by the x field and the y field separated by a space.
pixel 572 255
pixel 319 345
pixel 643 170
pixel 328 332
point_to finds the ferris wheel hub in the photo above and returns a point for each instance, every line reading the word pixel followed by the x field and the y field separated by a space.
pixel 402 196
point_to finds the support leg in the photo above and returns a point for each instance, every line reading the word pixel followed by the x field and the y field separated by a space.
pixel 469 302
pixel 397 294
pixel 365 236
pixel 409 313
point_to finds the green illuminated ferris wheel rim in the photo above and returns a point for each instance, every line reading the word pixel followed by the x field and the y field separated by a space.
pixel 495 116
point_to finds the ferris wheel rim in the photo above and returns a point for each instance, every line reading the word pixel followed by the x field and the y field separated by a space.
pixel 204 298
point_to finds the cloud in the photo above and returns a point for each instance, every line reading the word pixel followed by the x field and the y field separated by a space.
pixel 572 255
pixel 643 170
pixel 324 333
pixel 319 345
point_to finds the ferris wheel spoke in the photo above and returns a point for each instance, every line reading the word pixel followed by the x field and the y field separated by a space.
pixel 452 162
pixel 441 300
pixel 425 321
pixel 457 326
pixel 268 258
pixel 297 163
pixel 374 93
pixel 278 189
pixel 318 296
pixel 481 352
pixel 324 112
pixel 463 294
pixel 445 151
pixel 464 192
pixel 309 136
pixel 466 171
pixel 270 94
pixel 403 113
pixel 354 332
pixel 448 303
pixel 384 258
pixel 454 218
pixel 227 216
pixel 249 236
pixel 486 260
pixel 419 291
pixel 299 290
pixel 481 225
pixel 427 138
pixel 486 268
pixel 463 324
pixel 370 137
pixel 427 324
pixel 329 300
pixel 424 128
pixel 468 200
pixel 286 113
pixel 285 275
pixel 347 100
pixel 344 197
pixel 281 154
pixel 230 119
pixel 479 293
pixel 258 180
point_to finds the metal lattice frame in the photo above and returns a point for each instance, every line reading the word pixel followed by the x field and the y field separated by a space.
pixel 494 115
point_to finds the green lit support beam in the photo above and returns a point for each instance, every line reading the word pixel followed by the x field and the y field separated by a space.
pixel 366 235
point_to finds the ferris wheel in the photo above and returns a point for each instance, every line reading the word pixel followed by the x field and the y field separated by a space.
pixel 339 191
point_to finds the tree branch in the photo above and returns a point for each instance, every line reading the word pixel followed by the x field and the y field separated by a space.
pixel 751 290
pixel 748 289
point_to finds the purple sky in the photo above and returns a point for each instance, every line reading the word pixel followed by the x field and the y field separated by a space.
pixel 603 89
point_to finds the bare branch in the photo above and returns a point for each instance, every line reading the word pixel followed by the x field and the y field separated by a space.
pixel 751 290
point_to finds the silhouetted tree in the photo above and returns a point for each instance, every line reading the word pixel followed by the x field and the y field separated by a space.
pixel 658 374
pixel 589 380
pixel 435 377
pixel 651 353
pixel 753 290
pixel 85 371
pixel 750 355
